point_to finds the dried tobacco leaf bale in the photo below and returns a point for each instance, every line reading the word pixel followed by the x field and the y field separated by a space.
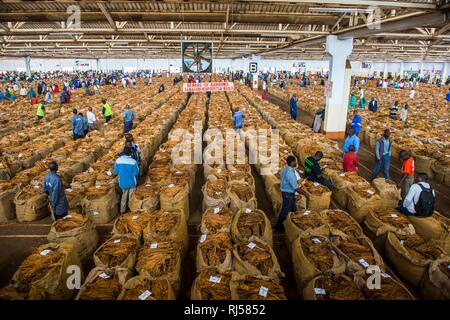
pixel 246 287
pixel 216 220
pixel 249 222
pixel 144 288
pixel 303 223
pixel 255 257
pixel 214 250
pixel 212 284
pixel 436 282
pixel 131 224
pixel 118 251
pixel 341 223
pixel 390 289
pixel 318 197
pixel 103 284
pixel 145 198
pixel 362 199
pixel 215 194
pixel 332 287
pixel 175 197
pixel 242 195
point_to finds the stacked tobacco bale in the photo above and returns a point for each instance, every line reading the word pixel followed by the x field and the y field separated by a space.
pixel 357 198
pixel 249 269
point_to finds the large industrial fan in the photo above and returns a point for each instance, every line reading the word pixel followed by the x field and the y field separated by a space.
pixel 197 57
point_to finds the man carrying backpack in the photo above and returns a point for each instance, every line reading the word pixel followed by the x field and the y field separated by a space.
pixel 420 198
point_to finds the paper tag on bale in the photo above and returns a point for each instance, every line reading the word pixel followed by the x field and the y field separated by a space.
pixel 117 241
pixel 216 210
pixel 135 217
pixel 214 279
pixel 370 192
pixel 248 210
pixel 251 245
pixel 109 173
pixel 67 217
pixel 104 275
pixel 316 240
pixel 393 215
pixel 363 263
pixel 202 238
pixel 263 291
pixel 315 184
pixel 45 252
pixel 154 245
pixel 306 213
pixel 144 295
pixel 319 291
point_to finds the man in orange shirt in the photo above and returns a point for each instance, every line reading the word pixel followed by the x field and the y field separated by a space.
pixel 350 162
pixel 407 172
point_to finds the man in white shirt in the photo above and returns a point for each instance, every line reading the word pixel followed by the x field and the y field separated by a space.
pixel 412 93
pixel 91 119
pixel 23 91
pixel 411 203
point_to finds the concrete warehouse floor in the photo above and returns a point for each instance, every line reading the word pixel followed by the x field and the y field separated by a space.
pixel 18 239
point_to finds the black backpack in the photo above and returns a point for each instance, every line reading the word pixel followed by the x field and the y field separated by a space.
pixel 425 206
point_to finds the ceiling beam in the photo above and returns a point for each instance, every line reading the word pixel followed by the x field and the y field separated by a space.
pixel 107 15
pixel 387 4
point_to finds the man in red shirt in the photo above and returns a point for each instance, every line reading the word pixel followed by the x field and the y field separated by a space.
pixel 351 160
pixel 407 172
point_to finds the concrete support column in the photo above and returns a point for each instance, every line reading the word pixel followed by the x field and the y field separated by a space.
pixel 402 69
pixel 445 71
pixel 28 65
pixel 339 76
pixel 385 71
pixel 97 64
pixel 421 69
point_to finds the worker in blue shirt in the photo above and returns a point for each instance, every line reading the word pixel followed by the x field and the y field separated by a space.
pixel 128 117
pixel 351 139
pixel 53 186
pixel 77 125
pixel 356 122
pixel 135 151
pixel 383 151
pixel 447 97
pixel 293 106
pixel 127 169
pixel 288 186
pixel 238 120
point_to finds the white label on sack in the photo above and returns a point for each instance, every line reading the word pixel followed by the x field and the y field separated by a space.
pixel 316 240
pixel 154 245
pixel 20 155
pixel 177 172
pixel 67 217
pixel 117 241
pixel 319 291
pixel 248 210
pixel 385 275
pixel 36 187
pixel 171 185
pixel 104 275
pixel 370 192
pixel 135 217
pixel 216 210
pixel 263 291
pixel 69 190
pixel 98 187
pixel 363 263
pixel 402 242
pixel 342 175
pixel 109 173
pixel 251 245
pixel 214 279
pixel 315 184
pixel 219 170
pixel 202 238
pixel 45 252
pixel 307 212
pixel 233 171
pixel 144 295
pixel 218 192
pixel 148 185
pixel 394 215
pixel 96 213
pixel 285 151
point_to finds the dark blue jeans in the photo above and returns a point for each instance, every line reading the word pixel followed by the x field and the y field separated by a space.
pixel 287 206
pixel 127 126
pixel 382 164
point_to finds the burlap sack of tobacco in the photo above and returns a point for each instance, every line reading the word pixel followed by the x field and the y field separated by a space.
pixel 411 259
pixel 243 177
pixel 381 221
pixel 101 203
pixel 117 251
pixel 388 191
pixel 145 198
pixel 435 227
pixel 77 230
pixel 441 171
pixel 30 161
pixel 131 224
pixel 358 253
pixel 313 255
pixel 31 206
pixel 341 223
pixel 318 197
pixel 242 196
pixel 216 220
pixel 69 169
pixel 7 207
pixel 256 257
pixel 8 168
pixel 161 260
pixel 103 284
pixel 43 275
pixel 423 164
pixel 84 157
pixel 436 282
pixel 175 197
pixel 214 250
pixel 142 287
pixel 390 288
pixel 167 226
pixel 274 194
pixel 341 182
pixel 215 193
pixel 251 222
pixel 212 284
pixel 360 202
pixel 304 223
pixel 245 287
pixel 332 287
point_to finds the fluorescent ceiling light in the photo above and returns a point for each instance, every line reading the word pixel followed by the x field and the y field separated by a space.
pixel 339 10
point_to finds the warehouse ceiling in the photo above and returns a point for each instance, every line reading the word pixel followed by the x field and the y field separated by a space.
pixel 383 30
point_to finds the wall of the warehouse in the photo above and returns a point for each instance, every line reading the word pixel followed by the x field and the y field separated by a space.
pixel 218 65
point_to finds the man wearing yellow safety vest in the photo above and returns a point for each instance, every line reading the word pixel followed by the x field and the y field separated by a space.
pixel 40 111
pixel 106 110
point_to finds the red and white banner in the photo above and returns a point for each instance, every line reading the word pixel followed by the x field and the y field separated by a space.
pixel 208 86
